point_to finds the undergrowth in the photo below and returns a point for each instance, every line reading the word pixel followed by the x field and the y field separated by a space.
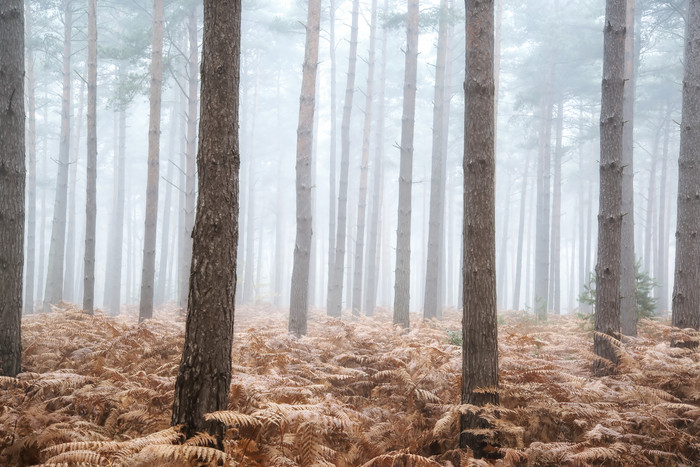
pixel 98 391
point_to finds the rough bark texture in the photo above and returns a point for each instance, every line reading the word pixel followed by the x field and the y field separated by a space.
pixel 30 259
pixel 299 302
pixel 148 269
pixel 91 180
pixel 628 298
pixel 402 281
pixel 479 322
pixel 433 287
pixel 607 306
pixel 335 286
pixel 686 293
pixel 364 169
pixel 204 377
pixel 54 275
pixel 12 183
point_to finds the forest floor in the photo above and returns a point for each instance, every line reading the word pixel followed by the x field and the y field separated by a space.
pixel 98 391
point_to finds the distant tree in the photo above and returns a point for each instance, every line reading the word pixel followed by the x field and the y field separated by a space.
pixel 479 322
pixel 299 305
pixel 12 183
pixel 148 270
pixel 686 293
pixel 204 376
pixel 607 314
pixel 91 197
pixel 54 275
pixel 402 279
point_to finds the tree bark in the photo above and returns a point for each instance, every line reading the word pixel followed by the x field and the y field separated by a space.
pixel 628 281
pixel 521 230
pixel 204 376
pixel 12 184
pixel 555 251
pixel 54 275
pixel 30 260
pixel 402 279
pixel 91 179
pixel 607 306
pixel 335 286
pixel 148 269
pixel 299 303
pixel 69 274
pixel 479 328
pixel 661 269
pixel 332 181
pixel 686 293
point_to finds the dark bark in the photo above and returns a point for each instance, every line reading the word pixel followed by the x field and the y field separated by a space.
pixel 607 306
pixel 686 293
pixel 299 304
pixel 148 269
pixel 479 322
pixel 91 179
pixel 402 279
pixel 204 377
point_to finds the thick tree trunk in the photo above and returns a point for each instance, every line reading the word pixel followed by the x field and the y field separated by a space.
pixel 364 169
pixel 299 305
pixel 521 230
pixel 433 289
pixel 148 269
pixel 30 259
pixel 54 274
pixel 686 293
pixel 204 377
pixel 402 279
pixel 628 298
pixel 607 306
pixel 479 322
pixel 335 286
pixel 91 178
pixel 12 184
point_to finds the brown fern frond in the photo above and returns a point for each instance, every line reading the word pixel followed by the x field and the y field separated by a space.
pixel 172 452
pixel 232 418
pixel 78 457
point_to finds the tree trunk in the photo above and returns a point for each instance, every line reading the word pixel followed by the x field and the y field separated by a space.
pixel 402 279
pixel 437 182
pixel 204 377
pixel 335 285
pixel 54 275
pixel 12 184
pixel 30 259
pixel 249 284
pixel 650 231
pixel 501 279
pixel 364 169
pixel 479 322
pixel 607 306
pixel 69 284
pixel 165 234
pixel 661 265
pixel 555 255
pixel 148 270
pixel 521 230
pixel 332 174
pixel 299 306
pixel 686 293
pixel 91 178
pixel 628 298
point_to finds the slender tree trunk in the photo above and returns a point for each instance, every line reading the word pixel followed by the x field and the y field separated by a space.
pixel 299 306
pixel 41 273
pixel 661 270
pixel 204 377
pixel 628 298
pixel 30 261
pixel 165 234
pixel 555 256
pixel 650 217
pixel 502 284
pixel 91 179
pixel 364 169
pixel 335 290
pixel 686 293
pixel 582 271
pixel 479 328
pixel 69 284
pixel 54 275
pixel 437 181
pixel 607 314
pixel 12 184
pixel 249 271
pixel 403 232
pixel 332 201
pixel 521 230
pixel 149 238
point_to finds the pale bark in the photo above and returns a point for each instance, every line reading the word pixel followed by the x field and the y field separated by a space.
pixel 91 178
pixel 299 303
pixel 521 230
pixel 69 284
pixel 332 180
pixel 402 279
pixel 30 259
pixel 148 269
pixel 555 255
pixel 607 306
pixel 12 184
pixel 479 322
pixel 661 265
